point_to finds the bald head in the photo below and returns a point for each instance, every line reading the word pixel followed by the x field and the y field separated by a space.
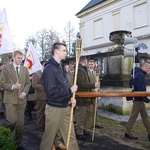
pixel 145 67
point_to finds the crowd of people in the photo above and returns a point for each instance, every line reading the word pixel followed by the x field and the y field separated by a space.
pixel 50 91
pixel 22 93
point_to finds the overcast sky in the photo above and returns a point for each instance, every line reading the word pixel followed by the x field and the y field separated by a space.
pixel 26 17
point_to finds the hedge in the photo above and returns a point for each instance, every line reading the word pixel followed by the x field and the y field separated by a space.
pixel 6 140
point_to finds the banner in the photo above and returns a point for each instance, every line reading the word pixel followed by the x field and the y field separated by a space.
pixel 5 40
pixel 32 61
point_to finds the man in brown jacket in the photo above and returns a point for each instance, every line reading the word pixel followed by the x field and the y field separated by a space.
pixel 40 98
pixel 70 73
pixel 41 102
pixel 84 105
pixel 16 83
pixel 92 76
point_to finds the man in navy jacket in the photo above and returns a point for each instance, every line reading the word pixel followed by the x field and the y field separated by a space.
pixel 58 98
pixel 139 84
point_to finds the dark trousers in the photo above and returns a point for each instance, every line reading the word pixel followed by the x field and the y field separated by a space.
pixel 29 108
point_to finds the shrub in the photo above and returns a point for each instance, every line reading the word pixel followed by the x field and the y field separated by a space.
pixel 6 141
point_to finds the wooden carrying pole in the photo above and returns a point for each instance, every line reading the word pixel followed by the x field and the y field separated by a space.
pixel 96 101
pixel 78 53
pixel 112 94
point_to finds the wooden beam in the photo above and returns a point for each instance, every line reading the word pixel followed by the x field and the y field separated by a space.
pixel 111 94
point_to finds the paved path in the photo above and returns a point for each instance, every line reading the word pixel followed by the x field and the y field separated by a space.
pixel 32 139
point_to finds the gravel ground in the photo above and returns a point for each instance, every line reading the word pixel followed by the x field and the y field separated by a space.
pixel 117 117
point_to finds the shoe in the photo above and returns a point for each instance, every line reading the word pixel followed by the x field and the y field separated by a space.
pixel 34 109
pixel 132 137
pixel 86 133
pixel 74 122
pixel 99 126
pixel 1 113
pixel 21 148
pixel 149 137
pixel 60 146
pixel 81 137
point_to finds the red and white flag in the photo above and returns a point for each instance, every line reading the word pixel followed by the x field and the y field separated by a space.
pixel 32 61
pixel 5 40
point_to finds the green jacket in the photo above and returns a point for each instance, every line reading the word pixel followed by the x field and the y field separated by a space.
pixel 84 85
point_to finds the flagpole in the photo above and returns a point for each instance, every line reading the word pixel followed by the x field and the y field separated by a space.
pixel 96 101
pixel 78 53
pixel 5 39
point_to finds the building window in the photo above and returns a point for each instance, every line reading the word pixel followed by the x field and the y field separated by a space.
pixel 98 29
pixel 140 15
pixel 116 19
pixel 82 33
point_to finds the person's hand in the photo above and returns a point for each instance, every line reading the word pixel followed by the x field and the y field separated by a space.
pixel 74 88
pixel 22 95
pixel 97 84
pixel 17 86
pixel 1 89
pixel 73 102
pixel 94 90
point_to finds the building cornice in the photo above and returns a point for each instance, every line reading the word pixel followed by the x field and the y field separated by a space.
pixel 111 43
pixel 96 7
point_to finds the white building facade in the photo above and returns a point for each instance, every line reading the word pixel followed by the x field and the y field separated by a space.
pixel 101 17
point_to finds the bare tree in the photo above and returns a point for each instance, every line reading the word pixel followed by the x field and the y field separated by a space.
pixel 70 34
pixel 43 41
pixel 30 39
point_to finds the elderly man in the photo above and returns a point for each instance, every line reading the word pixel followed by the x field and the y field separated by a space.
pixel 139 84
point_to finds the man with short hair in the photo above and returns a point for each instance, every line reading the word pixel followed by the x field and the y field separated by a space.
pixel 71 73
pixel 84 105
pixel 138 83
pixel 41 102
pixel 16 83
pixel 92 76
pixel 58 98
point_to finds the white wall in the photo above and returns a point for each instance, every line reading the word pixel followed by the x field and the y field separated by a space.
pixel 124 9
pixel 126 22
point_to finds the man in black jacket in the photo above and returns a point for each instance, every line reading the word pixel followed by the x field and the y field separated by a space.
pixel 139 84
pixel 58 98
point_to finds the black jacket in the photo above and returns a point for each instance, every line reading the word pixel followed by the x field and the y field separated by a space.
pixel 139 83
pixel 55 83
